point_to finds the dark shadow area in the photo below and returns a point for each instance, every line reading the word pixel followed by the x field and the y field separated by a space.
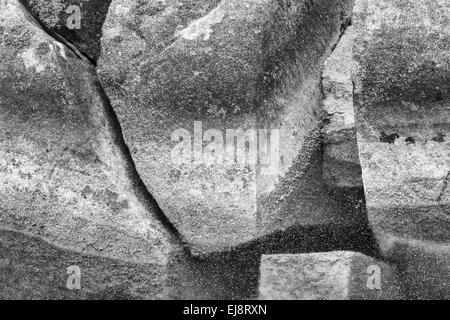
pixel 92 16
pixel 68 44
pixel 235 274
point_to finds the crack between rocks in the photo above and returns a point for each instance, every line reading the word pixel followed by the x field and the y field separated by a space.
pixel 261 245
pixel 441 194
pixel 57 37
pixel 141 190
pixel 366 233
pixel 279 242
pixel 344 26
pixel 444 187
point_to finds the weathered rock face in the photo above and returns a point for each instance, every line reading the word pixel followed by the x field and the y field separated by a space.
pixel 424 268
pixel 337 275
pixel 64 175
pixel 33 269
pixel 79 21
pixel 402 101
pixel 341 167
pixel 222 65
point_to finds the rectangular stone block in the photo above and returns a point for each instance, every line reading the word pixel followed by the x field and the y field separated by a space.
pixel 335 275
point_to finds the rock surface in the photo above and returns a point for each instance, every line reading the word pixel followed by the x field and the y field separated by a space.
pixel 341 167
pixel 64 175
pixel 171 67
pixel 402 101
pixel 61 17
pixel 32 269
pixel 335 275
pixel 424 268
pixel 70 194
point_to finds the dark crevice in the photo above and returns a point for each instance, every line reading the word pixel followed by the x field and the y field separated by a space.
pixel 293 240
pixel 134 176
pixel 363 236
pixel 234 274
pixel 69 45
pixel 85 55
pixel 362 239
pixel 84 41
pixel 114 122
pixel 442 193
pixel 444 187
pixel 346 22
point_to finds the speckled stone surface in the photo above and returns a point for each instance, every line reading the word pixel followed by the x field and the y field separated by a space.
pixel 87 178
pixel 59 15
pixel 338 275
pixel 64 176
pixel 229 64
pixel 402 101
pixel 341 167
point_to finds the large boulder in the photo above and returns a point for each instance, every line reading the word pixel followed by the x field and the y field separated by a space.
pixel 65 175
pixel 402 103
pixel 184 77
pixel 337 275
pixel 79 21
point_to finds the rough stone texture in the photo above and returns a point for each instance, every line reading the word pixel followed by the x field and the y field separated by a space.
pixel 335 275
pixel 402 103
pixel 64 175
pixel 230 64
pixel 424 268
pixel 32 269
pixel 70 193
pixel 341 167
pixel 54 15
